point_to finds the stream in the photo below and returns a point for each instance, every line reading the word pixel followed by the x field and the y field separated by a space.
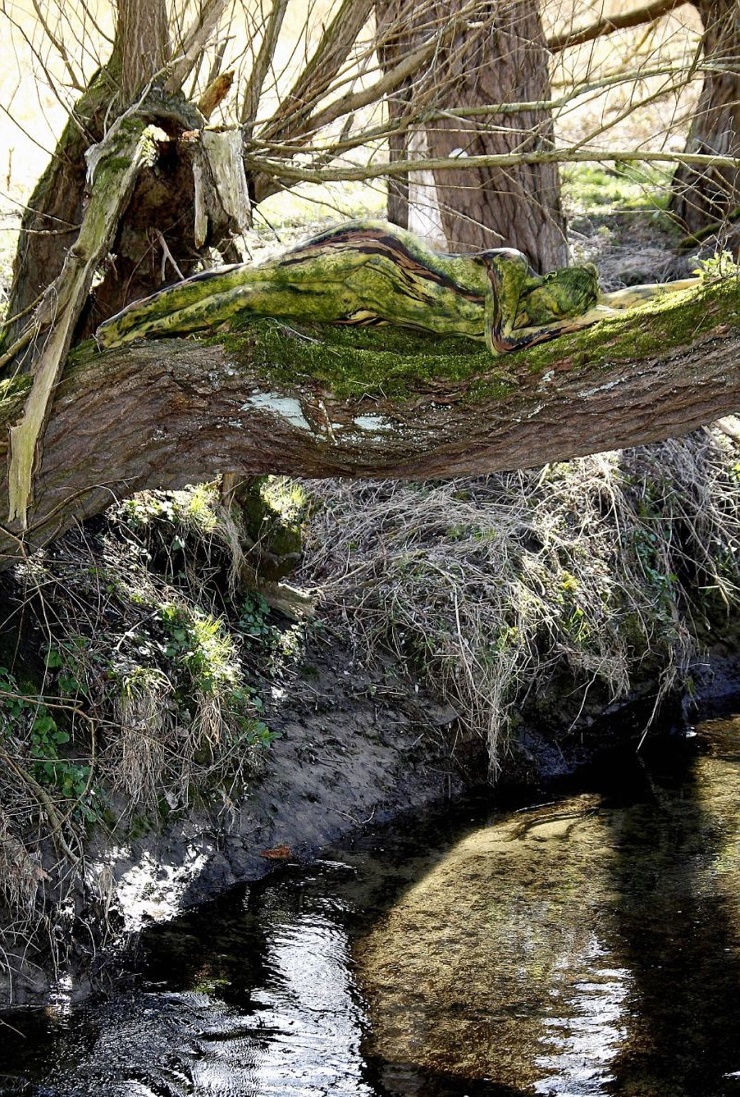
pixel 589 945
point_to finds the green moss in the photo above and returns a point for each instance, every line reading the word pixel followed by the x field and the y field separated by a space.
pixel 396 363
pixel 353 362
pixel 12 394
pixel 674 321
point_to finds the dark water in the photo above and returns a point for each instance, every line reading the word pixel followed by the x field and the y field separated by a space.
pixel 588 946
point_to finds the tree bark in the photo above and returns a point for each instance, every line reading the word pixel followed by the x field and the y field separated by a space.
pixel 704 197
pixel 368 403
pixel 142 39
pixel 496 54
pixel 393 43
pixel 503 60
pixel 54 212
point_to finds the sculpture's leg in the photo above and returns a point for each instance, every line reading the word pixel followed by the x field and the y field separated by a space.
pixel 507 272
pixel 633 296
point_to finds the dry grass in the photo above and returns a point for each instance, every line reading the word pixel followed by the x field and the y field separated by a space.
pixel 499 590
pixel 140 708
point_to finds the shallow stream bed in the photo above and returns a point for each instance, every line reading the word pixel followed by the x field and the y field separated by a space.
pixel 586 946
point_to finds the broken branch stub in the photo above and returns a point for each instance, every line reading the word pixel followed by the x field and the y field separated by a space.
pixel 113 167
pixel 222 202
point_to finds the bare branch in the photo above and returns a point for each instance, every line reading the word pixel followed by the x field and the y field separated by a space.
pixel 318 74
pixel 59 46
pixel 293 173
pixel 387 84
pixel 194 42
pixel 261 66
pixel 631 18
pixel 215 93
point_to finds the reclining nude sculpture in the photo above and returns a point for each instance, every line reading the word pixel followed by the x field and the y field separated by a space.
pixel 369 272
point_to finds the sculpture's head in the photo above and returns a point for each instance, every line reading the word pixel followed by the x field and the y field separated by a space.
pixel 560 295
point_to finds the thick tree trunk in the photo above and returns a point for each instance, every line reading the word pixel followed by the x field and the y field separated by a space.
pixel 142 35
pixel 372 403
pixel 703 198
pixel 498 55
pixel 54 212
pixel 503 59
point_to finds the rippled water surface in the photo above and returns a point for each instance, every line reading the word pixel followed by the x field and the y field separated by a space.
pixel 588 946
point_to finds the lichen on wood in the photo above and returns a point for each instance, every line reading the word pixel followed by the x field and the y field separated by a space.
pixel 114 167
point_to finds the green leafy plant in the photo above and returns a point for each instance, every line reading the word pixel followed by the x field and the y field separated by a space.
pixel 35 731
pixel 720 265
pixel 253 617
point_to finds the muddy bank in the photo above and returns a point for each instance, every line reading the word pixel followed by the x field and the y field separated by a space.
pixel 352 750
pixel 355 748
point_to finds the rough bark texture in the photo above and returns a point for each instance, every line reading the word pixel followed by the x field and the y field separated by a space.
pixel 52 218
pixel 502 61
pixel 393 42
pixel 54 213
pixel 496 56
pixel 701 198
pixel 120 158
pixel 159 216
pixel 142 35
pixel 160 213
pixel 163 414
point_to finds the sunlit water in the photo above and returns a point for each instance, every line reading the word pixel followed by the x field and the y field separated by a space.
pixel 589 946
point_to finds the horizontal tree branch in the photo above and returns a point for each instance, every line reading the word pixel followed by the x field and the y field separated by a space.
pixel 636 17
pixel 369 403
pixel 282 169
pixel 330 148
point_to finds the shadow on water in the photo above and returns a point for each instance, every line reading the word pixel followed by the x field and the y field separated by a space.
pixel 584 949
pixel 677 889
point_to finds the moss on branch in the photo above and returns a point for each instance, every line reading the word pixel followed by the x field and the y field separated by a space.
pixel 396 364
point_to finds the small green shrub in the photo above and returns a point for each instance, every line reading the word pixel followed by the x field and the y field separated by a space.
pixel 30 730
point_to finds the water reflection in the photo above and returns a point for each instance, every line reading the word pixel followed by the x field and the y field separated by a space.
pixel 291 1028
pixel 309 1007
pixel 498 964
pixel 585 948
pixel 585 1030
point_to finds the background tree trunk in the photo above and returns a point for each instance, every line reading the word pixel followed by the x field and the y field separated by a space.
pixel 395 41
pixel 503 59
pixel 497 55
pixel 704 197
pixel 142 35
